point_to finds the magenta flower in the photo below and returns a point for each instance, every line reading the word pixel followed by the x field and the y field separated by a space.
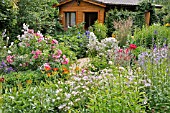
pixel 9 59
pixel 54 41
pixel 36 53
pixel 59 52
pixel 56 56
pixel 66 61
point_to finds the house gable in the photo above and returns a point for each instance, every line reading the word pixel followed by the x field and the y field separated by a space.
pixel 79 2
pixel 80 9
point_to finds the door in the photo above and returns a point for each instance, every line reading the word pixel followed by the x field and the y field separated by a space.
pixel 90 18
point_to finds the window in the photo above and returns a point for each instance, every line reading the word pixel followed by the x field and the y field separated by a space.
pixel 70 19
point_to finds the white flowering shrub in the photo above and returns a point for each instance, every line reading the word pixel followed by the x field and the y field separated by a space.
pixel 102 47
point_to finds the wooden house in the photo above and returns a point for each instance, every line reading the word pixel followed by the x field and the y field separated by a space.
pixel 73 12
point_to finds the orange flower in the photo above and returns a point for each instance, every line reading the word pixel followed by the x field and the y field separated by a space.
pixel 77 69
pixel 47 67
pixel 55 69
pixel 65 70
pixel 48 74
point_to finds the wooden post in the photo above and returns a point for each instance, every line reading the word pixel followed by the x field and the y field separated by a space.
pixel 147 18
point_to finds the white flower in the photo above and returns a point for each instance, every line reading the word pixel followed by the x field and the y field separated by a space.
pixel 12 43
pixel 25 26
pixel 78 99
pixel 121 68
pixel 67 95
pixel 7 38
pixel 70 103
pixel 4 47
pixel 9 52
pixel 58 98
pixel 110 62
pixel 62 106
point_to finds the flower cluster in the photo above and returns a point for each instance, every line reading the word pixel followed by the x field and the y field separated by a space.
pixel 101 47
pixel 35 50
pixel 4 68
pixel 157 55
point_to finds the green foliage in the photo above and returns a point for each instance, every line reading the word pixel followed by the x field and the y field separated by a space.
pixel 8 17
pixel 39 15
pixel 123 30
pixel 22 79
pixel 100 30
pixel 167 19
pixel 115 15
pixel 148 36
pixel 146 6
pixel 76 43
pixel 115 96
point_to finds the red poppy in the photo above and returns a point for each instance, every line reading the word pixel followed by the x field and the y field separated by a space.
pixel 133 46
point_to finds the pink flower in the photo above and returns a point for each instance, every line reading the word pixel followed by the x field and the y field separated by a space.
pixel 59 52
pixel 36 53
pixel 66 61
pixel 120 50
pixel 9 59
pixel 39 35
pixel 132 46
pixel 31 31
pixel 54 41
pixel 56 56
pixel 64 56
pixel 47 67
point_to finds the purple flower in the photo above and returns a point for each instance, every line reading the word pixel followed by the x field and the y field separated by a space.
pixel 9 69
pixel 155 32
pixel 3 64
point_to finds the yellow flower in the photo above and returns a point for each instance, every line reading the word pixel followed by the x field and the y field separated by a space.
pixel 29 81
pixel 167 25
pixel 113 36
pixel 132 37
pixel 77 69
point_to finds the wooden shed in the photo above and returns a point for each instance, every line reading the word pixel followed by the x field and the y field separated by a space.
pixel 73 12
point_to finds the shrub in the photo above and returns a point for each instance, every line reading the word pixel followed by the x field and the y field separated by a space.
pixel 100 30
pixel 115 15
pixel 148 36
pixel 39 15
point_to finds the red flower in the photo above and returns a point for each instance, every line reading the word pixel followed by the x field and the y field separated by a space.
pixel 2 79
pixel 133 46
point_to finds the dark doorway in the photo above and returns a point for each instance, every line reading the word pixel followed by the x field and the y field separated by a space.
pixel 90 18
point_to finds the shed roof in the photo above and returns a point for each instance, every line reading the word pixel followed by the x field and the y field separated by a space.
pixel 119 2
pixel 108 2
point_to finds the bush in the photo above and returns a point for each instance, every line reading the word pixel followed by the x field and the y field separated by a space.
pixel 115 15
pixel 100 30
pixel 148 36
pixel 77 43
pixel 39 15
pixel 8 17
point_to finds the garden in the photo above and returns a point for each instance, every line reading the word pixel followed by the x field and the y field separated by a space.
pixel 123 67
